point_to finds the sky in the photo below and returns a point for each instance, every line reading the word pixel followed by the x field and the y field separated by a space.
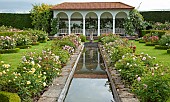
pixel 24 6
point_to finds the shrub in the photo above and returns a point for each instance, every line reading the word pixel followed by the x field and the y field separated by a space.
pixel 22 40
pixel 42 36
pixel 130 67
pixel 12 33
pixel 83 38
pixel 150 44
pixel 158 32
pixel 168 51
pixel 74 39
pixel 62 43
pixel 63 54
pixel 109 38
pixel 141 41
pixel 2 51
pixel 34 73
pixel 154 39
pixel 165 40
pixel 153 88
pixel 9 97
pixel 161 47
pixel 146 37
pixel 24 46
pixel 7 42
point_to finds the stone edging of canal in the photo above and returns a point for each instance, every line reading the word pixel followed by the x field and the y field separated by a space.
pixel 57 91
pixel 120 92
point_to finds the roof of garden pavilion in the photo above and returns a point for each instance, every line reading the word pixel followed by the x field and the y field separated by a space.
pixel 95 9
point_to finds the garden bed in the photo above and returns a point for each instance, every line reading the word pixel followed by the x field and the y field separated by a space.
pixel 59 87
pixel 120 92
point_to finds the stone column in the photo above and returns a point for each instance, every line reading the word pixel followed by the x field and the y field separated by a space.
pixel 113 25
pixel 84 26
pixel 69 25
pixel 98 26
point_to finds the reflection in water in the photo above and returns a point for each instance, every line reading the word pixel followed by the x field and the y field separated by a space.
pixel 90 63
pixel 89 90
pixel 90 83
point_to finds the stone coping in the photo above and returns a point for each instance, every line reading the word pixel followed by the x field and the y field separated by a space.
pixel 120 92
pixel 57 91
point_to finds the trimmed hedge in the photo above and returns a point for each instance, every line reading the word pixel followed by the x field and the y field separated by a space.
pixel 141 41
pixel 20 21
pixel 160 32
pixel 161 47
pixel 9 50
pixel 12 33
pixel 155 16
pixel 150 44
pixel 168 51
pixel 24 47
pixel 9 97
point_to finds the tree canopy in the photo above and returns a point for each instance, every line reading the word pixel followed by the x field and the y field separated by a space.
pixel 135 22
pixel 41 15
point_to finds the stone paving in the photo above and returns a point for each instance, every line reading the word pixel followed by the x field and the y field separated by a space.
pixel 57 91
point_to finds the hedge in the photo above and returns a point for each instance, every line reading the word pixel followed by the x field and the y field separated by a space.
pixel 161 47
pixel 160 32
pixel 12 33
pixel 20 21
pixel 156 16
pixel 9 50
pixel 168 51
pixel 150 44
pixel 9 97
pixel 24 47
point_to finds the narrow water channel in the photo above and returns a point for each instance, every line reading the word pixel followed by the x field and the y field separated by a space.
pixel 90 82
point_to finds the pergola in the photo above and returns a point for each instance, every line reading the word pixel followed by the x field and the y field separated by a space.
pixel 77 13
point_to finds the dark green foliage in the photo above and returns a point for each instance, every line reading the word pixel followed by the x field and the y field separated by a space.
pixel 24 46
pixel 20 21
pixel 12 33
pixel 160 32
pixel 150 44
pixel 156 16
pixel 62 43
pixel 82 37
pixel 141 41
pixel 9 50
pixel 63 54
pixel 9 97
pixel 165 40
pixel 54 26
pixel 168 51
pixel 161 47
pixel 41 16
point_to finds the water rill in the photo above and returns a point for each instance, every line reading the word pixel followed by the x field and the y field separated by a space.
pixel 90 82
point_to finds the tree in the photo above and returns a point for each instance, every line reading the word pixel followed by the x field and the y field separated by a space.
pixel 135 21
pixel 40 15
pixel 54 26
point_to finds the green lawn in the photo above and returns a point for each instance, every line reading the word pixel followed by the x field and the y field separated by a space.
pixel 15 58
pixel 161 55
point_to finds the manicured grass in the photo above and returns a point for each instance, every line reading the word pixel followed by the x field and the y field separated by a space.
pixel 15 58
pixel 161 55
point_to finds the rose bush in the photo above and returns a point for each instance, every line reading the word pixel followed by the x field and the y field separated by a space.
pixel 148 79
pixel 7 42
pixel 35 72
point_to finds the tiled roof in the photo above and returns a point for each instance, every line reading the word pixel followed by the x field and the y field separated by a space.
pixel 91 6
